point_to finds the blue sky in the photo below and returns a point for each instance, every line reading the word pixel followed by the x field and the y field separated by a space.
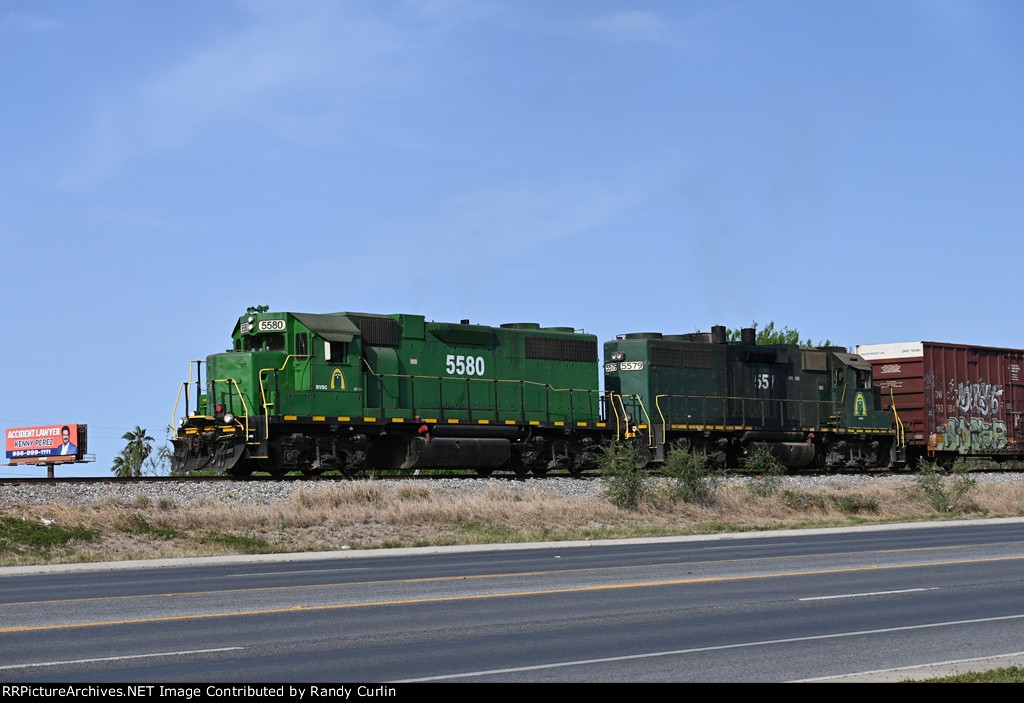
pixel 852 170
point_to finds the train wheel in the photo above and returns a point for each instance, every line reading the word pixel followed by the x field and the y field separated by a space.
pixel 515 464
pixel 643 453
pixel 485 471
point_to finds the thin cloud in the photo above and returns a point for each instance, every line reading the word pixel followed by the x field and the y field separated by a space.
pixel 630 26
pixel 505 221
pixel 12 21
pixel 331 58
pixel 965 25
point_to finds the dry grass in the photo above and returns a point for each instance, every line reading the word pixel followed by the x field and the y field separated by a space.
pixel 365 514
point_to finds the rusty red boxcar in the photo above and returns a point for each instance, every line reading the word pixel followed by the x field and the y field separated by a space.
pixel 951 400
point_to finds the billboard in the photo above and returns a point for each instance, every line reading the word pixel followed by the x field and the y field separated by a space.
pixel 45 444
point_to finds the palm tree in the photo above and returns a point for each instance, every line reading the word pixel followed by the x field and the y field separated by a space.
pixel 129 461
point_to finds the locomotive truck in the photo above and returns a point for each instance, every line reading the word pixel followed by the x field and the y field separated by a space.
pixel 351 391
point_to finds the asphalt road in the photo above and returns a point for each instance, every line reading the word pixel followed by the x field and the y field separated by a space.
pixel 778 606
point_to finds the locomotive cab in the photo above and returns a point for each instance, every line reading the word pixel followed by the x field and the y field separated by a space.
pixel 857 400
pixel 277 360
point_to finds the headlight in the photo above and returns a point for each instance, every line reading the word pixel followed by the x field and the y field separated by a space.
pixel 182 421
pixel 228 418
pixel 618 356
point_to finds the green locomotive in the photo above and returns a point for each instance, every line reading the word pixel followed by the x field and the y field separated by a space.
pixel 808 406
pixel 350 391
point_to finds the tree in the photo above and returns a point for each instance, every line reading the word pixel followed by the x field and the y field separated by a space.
pixel 159 463
pixel 768 335
pixel 131 459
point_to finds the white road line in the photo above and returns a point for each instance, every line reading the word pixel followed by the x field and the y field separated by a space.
pixel 696 650
pixel 911 668
pixel 127 656
pixel 873 593
pixel 289 573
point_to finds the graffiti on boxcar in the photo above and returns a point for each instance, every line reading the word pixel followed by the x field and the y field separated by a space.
pixel 976 398
pixel 972 435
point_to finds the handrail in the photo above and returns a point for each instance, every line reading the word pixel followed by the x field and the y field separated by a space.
pixel 184 385
pixel 649 423
pixel 610 397
pixel 901 436
pixel 698 406
pixel 234 382
pixel 263 391
pixel 174 412
pixel 628 434
pixel 516 382
pixel 664 425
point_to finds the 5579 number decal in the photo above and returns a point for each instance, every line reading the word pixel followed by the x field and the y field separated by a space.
pixel 458 365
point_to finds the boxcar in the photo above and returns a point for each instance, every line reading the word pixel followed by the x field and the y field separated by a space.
pixel 951 400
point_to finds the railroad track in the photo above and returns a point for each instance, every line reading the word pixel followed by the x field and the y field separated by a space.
pixel 403 475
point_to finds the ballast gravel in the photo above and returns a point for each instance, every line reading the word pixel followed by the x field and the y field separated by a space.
pixel 268 492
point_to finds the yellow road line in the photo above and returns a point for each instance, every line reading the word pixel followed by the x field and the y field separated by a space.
pixel 506 594
pixel 470 577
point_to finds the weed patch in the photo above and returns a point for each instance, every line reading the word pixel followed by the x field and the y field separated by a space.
pixel 764 470
pixel 242 544
pixel 693 479
pixel 625 482
pixel 19 536
pixel 135 524
pixel 945 491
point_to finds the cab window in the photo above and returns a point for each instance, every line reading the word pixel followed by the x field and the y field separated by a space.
pixel 265 342
pixel 275 342
pixel 335 351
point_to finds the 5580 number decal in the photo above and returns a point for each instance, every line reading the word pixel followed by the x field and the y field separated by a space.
pixel 271 325
pixel 459 365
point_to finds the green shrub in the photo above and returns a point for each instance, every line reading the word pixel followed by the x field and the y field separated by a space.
pixel 765 471
pixel 801 500
pixel 134 523
pixel 19 536
pixel 242 544
pixel 620 466
pixel 944 490
pixel 693 478
pixel 855 504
